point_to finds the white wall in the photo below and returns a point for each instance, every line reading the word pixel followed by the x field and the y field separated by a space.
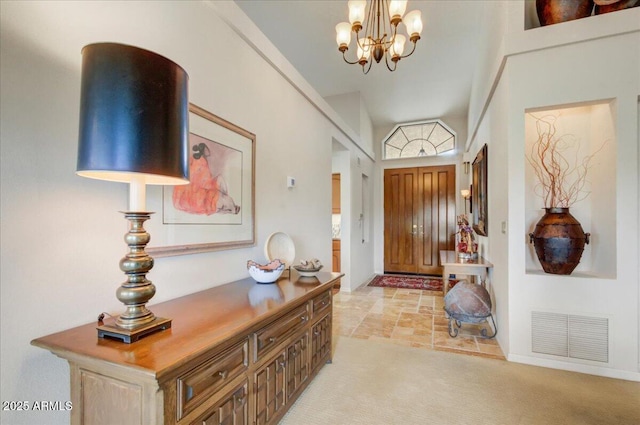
pixel 353 160
pixel 494 24
pixel 361 258
pixel 614 297
pixel 62 234
pixel 594 59
pixel 356 257
pixel 494 247
pixel 348 107
pixel 366 127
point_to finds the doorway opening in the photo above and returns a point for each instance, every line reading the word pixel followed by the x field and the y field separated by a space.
pixel 340 209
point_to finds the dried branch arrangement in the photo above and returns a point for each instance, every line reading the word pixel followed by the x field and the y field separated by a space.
pixel 561 183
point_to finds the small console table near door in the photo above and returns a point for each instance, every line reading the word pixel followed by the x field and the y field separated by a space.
pixel 236 354
pixel 452 264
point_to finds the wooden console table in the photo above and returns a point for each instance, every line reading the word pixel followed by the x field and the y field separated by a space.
pixel 239 353
pixel 452 264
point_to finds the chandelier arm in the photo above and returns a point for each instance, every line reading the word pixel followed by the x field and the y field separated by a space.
pixel 386 61
pixel 411 52
pixel 369 30
pixel 389 42
pixel 360 46
pixel 344 56
pixel 385 20
pixel 379 18
pixel 394 29
pixel 368 65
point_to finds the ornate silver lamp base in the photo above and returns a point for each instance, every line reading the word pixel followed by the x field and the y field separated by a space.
pixel 137 321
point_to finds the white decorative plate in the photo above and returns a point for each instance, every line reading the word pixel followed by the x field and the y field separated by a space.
pixel 280 246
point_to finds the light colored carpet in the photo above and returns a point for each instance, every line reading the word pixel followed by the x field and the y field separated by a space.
pixel 372 383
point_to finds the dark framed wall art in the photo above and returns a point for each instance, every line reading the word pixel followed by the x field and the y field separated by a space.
pixel 479 194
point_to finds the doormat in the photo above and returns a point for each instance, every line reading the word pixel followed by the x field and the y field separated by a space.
pixel 426 283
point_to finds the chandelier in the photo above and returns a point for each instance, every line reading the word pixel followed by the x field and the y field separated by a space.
pixel 380 38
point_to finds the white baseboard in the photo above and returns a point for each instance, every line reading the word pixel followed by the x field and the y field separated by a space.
pixel 574 367
pixel 366 281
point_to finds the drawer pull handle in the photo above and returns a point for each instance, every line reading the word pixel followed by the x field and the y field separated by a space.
pixel 316 332
pixel 272 339
pixel 303 318
pixel 240 400
pixel 294 354
pixel 223 374
pixel 282 364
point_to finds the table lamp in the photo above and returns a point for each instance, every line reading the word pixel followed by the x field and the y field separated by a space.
pixel 133 129
pixel 466 194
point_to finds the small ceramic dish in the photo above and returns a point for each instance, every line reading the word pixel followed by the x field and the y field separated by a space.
pixel 308 268
pixel 307 273
pixel 267 273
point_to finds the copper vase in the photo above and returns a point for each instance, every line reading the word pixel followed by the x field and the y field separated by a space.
pixel 559 241
pixel 614 6
pixel 556 11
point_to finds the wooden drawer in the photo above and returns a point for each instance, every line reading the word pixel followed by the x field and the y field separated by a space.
pixel 269 389
pixel 320 342
pixel 200 383
pixel 232 409
pixel 321 303
pixel 297 365
pixel 273 334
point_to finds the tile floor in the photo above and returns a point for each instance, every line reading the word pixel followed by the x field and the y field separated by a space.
pixel 408 317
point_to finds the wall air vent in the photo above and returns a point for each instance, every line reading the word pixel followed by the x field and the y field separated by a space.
pixel 566 335
pixel 550 333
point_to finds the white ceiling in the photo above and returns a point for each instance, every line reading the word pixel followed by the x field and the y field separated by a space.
pixel 435 82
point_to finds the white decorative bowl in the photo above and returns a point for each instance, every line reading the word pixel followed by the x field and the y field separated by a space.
pixel 267 273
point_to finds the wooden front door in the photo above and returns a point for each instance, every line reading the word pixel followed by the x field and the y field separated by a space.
pixel 419 218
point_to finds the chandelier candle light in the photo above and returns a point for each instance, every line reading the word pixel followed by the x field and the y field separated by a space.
pixel 380 37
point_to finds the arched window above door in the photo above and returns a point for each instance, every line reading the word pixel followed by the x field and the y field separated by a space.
pixel 418 139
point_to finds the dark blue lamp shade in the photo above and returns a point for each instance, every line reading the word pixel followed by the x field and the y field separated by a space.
pixel 134 113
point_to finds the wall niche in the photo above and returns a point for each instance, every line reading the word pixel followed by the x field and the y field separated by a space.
pixel 585 129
